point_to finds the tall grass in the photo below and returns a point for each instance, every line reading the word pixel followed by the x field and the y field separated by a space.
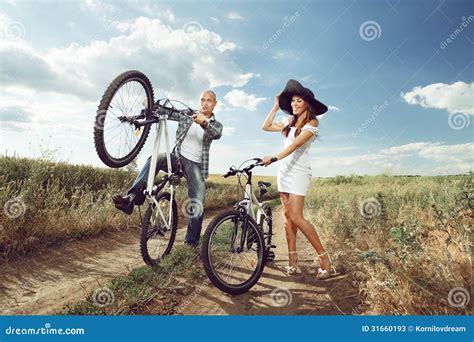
pixel 409 249
pixel 45 202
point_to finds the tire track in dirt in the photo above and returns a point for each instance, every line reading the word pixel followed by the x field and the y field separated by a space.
pixel 44 283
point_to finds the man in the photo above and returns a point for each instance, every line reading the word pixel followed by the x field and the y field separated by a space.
pixel 194 136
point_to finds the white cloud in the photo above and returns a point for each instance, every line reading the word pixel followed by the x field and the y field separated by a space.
pixel 47 113
pixel 284 55
pixel 217 21
pixel 229 131
pixel 226 46
pixel 408 148
pixel 168 15
pixel 455 98
pixel 334 108
pixel 460 153
pixel 97 7
pixel 239 98
pixel 234 16
pixel 179 64
pixel 425 158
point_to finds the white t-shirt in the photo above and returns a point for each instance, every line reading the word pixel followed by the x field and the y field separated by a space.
pixel 191 147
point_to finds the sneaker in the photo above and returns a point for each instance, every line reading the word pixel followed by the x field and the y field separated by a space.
pixel 124 204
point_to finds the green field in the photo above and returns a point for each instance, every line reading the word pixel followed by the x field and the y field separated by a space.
pixel 47 203
pixel 405 241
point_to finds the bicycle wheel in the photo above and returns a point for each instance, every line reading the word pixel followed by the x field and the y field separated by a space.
pixel 266 225
pixel 232 270
pixel 159 229
pixel 116 139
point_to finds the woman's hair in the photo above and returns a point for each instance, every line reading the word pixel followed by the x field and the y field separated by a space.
pixel 310 115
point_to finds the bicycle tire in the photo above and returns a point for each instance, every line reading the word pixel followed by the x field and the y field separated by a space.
pixel 206 257
pixel 104 110
pixel 144 238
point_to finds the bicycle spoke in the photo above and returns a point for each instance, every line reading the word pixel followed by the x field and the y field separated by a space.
pixel 233 267
pixel 159 229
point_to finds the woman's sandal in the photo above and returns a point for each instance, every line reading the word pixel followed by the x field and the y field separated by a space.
pixel 325 274
pixel 291 270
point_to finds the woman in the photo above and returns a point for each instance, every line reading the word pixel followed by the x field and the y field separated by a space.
pixel 295 171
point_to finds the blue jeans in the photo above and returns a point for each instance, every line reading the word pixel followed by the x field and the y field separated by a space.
pixel 196 191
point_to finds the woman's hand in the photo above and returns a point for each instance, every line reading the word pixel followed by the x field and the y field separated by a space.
pixel 276 104
pixel 268 160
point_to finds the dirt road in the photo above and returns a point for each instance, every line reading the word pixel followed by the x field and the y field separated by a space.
pixel 43 284
pixel 279 294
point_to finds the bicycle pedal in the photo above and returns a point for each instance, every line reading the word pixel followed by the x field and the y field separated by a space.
pixel 273 246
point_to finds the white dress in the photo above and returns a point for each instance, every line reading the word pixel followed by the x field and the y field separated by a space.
pixel 295 173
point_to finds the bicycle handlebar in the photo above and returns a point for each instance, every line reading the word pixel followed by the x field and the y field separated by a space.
pixel 158 109
pixel 232 171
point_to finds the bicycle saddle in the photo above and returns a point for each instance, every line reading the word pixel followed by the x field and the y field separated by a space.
pixel 267 184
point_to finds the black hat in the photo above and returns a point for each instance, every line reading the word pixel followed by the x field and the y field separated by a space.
pixel 294 87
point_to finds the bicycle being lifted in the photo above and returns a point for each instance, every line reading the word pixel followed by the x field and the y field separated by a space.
pixel 125 115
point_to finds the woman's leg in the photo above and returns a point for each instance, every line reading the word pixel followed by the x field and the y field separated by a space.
pixel 296 204
pixel 290 230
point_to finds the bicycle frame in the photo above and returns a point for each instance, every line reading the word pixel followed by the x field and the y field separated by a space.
pixel 249 202
pixel 150 187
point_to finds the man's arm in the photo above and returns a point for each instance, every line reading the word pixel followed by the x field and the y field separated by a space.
pixel 213 129
pixel 174 114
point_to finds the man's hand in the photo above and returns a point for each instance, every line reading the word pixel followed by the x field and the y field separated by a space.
pixel 200 118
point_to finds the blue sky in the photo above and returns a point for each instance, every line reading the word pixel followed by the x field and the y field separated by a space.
pixel 397 75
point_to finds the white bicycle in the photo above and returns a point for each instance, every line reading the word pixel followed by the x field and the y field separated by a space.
pixel 237 242
pixel 122 124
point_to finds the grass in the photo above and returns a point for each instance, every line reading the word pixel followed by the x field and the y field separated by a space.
pixel 406 251
pixel 145 290
pixel 409 249
pixel 49 203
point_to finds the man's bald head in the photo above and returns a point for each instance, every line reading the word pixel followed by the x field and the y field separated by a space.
pixel 208 102
pixel 209 91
